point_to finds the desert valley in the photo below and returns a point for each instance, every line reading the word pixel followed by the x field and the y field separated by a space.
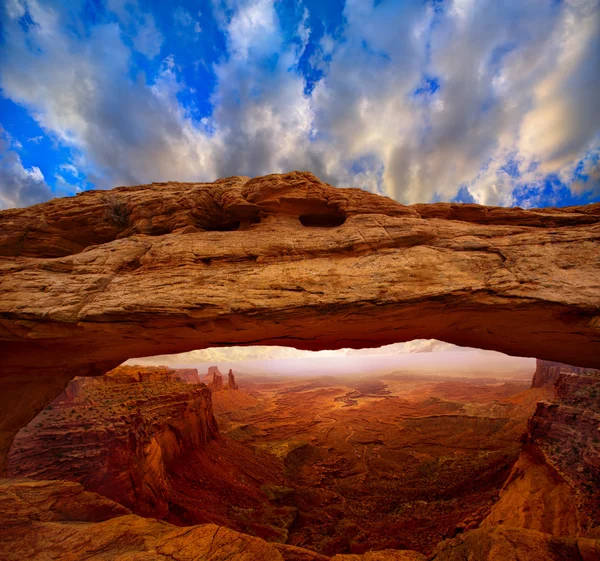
pixel 400 461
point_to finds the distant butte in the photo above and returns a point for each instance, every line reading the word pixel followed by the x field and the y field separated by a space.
pixel 89 281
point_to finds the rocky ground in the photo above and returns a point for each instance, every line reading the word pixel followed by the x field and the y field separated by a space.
pixel 58 520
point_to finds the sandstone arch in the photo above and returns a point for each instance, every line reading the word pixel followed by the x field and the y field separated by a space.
pixel 92 280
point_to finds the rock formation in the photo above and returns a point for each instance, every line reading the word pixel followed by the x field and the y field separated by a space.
pixel 216 384
pixel 117 434
pixel 547 372
pixel 231 383
pixel 504 543
pixel 213 379
pixel 188 375
pixel 153 446
pixel 59 520
pixel 89 281
pixel 553 487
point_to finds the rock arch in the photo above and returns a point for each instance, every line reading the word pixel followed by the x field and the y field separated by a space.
pixel 92 280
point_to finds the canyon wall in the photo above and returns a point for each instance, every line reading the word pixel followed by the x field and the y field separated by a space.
pixel 117 434
pixel 553 487
pixel 547 372
pixel 89 281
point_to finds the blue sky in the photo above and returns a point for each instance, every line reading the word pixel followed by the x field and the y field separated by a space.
pixel 430 100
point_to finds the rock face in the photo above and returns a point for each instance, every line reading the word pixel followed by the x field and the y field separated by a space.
pixel 188 375
pixel 213 379
pixel 90 281
pixel 117 434
pixel 145 439
pixel 553 487
pixel 231 383
pixel 45 520
pixel 216 384
pixel 547 372
pixel 500 544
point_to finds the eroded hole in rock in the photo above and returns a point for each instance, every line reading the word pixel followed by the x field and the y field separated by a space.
pixel 224 227
pixel 325 220
pixel 334 451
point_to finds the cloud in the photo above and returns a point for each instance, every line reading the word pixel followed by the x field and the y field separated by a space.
pixel 262 352
pixel 127 131
pixel 139 25
pixel 182 17
pixel 19 186
pixel 419 101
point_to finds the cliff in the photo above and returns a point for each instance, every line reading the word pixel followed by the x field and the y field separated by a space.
pixel 554 486
pixel 188 375
pixel 118 434
pixel 547 372
pixel 142 437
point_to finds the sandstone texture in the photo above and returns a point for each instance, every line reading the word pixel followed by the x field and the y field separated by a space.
pixel 554 486
pixel 118 434
pixel 89 281
pixel 44 521
pixel 508 544
pixel 58 520
pixel 143 438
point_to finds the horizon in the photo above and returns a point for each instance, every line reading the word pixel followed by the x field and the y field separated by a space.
pixel 421 101
pixel 419 356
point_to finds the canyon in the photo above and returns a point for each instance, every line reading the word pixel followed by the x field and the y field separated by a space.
pixel 329 468
pixel 147 440
pixel 90 281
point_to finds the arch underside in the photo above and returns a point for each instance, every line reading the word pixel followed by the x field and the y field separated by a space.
pixel 90 281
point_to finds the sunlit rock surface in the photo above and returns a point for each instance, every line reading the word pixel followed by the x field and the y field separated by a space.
pixel 89 281
pixel 554 486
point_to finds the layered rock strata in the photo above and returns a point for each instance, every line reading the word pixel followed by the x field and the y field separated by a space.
pixel 554 486
pixel 87 282
pixel 117 434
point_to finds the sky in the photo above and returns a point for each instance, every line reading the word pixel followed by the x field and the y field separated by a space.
pixel 431 100
pixel 423 356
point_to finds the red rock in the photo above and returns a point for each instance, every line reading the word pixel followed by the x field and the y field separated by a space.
pixel 504 543
pixel 553 487
pixel 231 384
pixel 188 375
pixel 87 282
pixel 143 419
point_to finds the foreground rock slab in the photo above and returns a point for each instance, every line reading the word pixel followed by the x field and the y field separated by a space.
pixel 52 520
pixel 518 544
pixel 41 520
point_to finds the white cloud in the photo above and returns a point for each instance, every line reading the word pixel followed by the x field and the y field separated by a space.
pixel 518 82
pixel 70 168
pixel 19 186
pixel 182 17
